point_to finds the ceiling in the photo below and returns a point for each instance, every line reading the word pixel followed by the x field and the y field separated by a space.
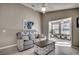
pixel 51 6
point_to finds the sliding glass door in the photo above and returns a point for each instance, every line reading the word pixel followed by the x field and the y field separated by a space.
pixel 61 29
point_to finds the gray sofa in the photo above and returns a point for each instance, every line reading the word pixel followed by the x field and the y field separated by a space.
pixel 26 39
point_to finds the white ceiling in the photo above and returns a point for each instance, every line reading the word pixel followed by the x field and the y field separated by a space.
pixel 51 6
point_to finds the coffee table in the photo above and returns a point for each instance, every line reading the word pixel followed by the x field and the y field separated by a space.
pixel 44 47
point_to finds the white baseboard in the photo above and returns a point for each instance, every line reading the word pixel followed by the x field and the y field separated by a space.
pixel 8 46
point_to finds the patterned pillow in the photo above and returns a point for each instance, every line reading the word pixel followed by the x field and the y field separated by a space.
pixel 32 36
pixel 25 37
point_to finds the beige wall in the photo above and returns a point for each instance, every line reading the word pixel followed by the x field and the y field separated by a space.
pixel 11 19
pixel 74 13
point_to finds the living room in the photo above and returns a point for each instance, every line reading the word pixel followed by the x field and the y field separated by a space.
pixel 14 18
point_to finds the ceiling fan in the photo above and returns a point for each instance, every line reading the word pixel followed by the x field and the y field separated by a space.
pixel 43 8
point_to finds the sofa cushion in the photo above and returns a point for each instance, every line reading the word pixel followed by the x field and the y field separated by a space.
pixel 28 46
pixel 28 42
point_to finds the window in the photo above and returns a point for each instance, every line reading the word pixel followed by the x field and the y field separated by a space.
pixel 60 28
pixel 56 28
pixel 65 27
